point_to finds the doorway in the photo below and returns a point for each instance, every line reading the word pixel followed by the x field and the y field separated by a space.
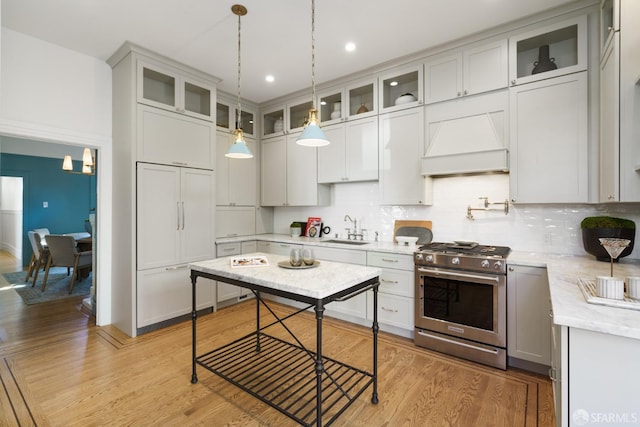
pixel 11 196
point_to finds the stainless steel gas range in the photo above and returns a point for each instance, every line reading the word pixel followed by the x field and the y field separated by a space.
pixel 461 300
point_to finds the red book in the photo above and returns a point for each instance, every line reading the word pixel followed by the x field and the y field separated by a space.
pixel 313 227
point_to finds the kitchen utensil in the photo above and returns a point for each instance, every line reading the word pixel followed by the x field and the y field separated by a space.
pixel 633 287
pixel 407 240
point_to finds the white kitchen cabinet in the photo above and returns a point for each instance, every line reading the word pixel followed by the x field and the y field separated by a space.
pixel 175 215
pixel 165 87
pixel 474 70
pixel 277 248
pixel 227 116
pixel 396 292
pixel 619 103
pixel 567 42
pixel 233 221
pixel 174 139
pixel 284 119
pixel 559 372
pixel 528 318
pixel 401 144
pixel 163 155
pixel 549 141
pixel 230 294
pixel 165 293
pixel 289 174
pixel 352 154
pixel 357 100
pixel 397 82
pixel 236 179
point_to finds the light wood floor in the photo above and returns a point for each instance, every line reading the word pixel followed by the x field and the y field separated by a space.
pixel 57 368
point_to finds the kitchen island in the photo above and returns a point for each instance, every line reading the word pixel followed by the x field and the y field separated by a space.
pixel 305 385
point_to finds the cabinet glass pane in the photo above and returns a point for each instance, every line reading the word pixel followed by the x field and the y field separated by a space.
pixel 222 115
pixel 197 99
pixel 272 122
pixel 394 87
pixel 331 107
pixel 298 115
pixel 606 22
pixel 247 122
pixel 158 87
pixel 361 99
pixel 562 51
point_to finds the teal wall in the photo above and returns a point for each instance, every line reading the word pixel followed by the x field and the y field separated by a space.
pixel 71 197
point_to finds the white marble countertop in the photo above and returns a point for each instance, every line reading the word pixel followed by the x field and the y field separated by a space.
pixel 328 278
pixel 569 305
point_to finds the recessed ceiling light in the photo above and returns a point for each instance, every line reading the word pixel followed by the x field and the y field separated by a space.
pixel 350 47
pixel 393 83
pixel 270 78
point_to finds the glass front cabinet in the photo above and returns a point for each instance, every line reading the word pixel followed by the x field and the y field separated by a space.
pixel 550 51
pixel 401 88
pixel 227 115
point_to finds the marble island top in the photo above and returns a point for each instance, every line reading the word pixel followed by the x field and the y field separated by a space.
pixel 568 303
pixel 328 278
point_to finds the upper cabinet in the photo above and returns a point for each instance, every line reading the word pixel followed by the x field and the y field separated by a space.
pixel 283 119
pixel 549 51
pixel 354 101
pixel 609 23
pixel 400 88
pixel 236 179
pixel 475 70
pixel 165 88
pixel 227 116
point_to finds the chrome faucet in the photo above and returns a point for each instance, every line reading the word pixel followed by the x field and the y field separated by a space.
pixel 355 233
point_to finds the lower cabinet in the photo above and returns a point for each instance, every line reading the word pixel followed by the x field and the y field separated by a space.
pixel 229 294
pixel 528 318
pixel 165 293
pixel 396 292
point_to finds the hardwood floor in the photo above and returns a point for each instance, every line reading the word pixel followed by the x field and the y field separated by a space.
pixel 57 368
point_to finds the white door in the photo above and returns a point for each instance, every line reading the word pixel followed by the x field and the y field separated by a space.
pixel 274 171
pixel 197 207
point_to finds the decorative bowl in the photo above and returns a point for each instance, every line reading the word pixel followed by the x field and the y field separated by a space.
pixel 405 99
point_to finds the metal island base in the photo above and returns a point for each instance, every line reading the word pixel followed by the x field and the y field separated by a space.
pixel 303 384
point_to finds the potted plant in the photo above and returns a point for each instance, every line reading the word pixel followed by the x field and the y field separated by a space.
pixel 595 227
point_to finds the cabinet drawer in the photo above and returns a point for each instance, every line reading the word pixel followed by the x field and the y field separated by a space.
pixel 339 255
pixel 394 310
pixel 397 282
pixel 226 249
pixel 387 260
pixel 277 248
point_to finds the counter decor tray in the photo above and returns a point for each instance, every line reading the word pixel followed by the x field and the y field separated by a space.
pixel 588 288
pixel 287 264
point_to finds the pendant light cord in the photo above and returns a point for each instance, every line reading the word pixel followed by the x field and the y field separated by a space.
pixel 239 110
pixel 313 54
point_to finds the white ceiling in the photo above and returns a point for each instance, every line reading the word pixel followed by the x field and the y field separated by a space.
pixel 276 34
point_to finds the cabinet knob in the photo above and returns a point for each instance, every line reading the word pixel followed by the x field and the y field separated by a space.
pixel 611 197
pixel 513 200
pixel 513 82
pixel 459 94
pixel 511 269
pixel 466 92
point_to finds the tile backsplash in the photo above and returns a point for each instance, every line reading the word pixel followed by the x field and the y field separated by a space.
pixel 537 228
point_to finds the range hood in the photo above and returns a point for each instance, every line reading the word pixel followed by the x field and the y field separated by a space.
pixel 467 135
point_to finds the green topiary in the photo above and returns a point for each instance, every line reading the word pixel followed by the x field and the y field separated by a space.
pixel 607 222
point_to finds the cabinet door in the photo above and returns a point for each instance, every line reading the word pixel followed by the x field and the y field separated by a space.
pixel 274 171
pixel 302 173
pixel 362 149
pixel 485 68
pixel 173 139
pixel 235 178
pixel 443 78
pixel 157 87
pixel 197 207
pixel 165 293
pixel 158 216
pixel 610 122
pixel 331 158
pixel 276 247
pixel 197 98
pixel 225 290
pixel 549 141
pixel 223 142
pixel 401 147
pixel 528 314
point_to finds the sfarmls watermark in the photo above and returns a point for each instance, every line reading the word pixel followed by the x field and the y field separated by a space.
pixel 583 418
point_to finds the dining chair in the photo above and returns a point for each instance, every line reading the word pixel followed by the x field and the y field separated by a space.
pixel 39 254
pixel 63 253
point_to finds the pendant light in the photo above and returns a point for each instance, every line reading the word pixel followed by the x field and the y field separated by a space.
pixel 88 163
pixel 239 148
pixel 312 136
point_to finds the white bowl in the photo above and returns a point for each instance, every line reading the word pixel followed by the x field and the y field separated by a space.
pixel 405 99
pixel 406 240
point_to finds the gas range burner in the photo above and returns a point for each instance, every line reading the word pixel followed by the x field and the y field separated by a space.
pixel 467 248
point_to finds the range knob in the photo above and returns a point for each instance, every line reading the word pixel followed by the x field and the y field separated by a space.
pixel 497 265
pixel 455 260
pixel 429 258
pixel 419 257
pixel 485 263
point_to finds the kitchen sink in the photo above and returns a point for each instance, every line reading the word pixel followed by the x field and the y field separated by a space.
pixel 347 242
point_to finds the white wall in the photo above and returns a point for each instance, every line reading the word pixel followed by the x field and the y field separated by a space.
pixel 523 229
pixel 11 215
pixel 53 94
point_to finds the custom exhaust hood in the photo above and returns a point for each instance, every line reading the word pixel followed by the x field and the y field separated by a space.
pixel 467 135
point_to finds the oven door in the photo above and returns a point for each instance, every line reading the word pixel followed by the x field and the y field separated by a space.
pixel 462 304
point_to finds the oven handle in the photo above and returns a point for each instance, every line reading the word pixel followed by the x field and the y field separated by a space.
pixel 486 350
pixel 461 275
